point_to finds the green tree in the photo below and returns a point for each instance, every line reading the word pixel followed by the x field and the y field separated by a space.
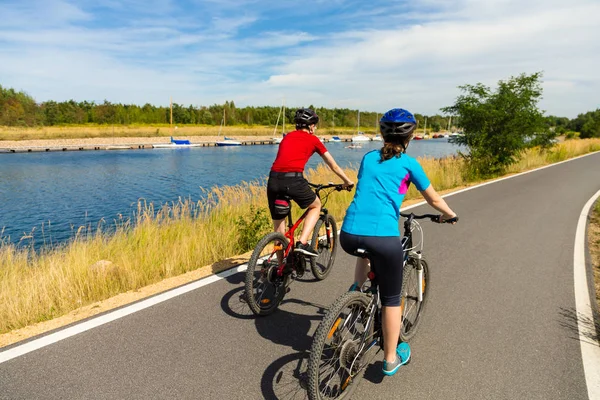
pixel 498 125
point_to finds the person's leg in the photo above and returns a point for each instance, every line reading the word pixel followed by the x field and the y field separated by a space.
pixel 350 243
pixel 387 260
pixel 361 270
pixel 279 225
pixel 391 331
pixel 301 193
pixel 273 192
pixel 314 209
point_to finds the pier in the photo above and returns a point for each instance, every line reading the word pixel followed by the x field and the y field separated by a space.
pixel 126 146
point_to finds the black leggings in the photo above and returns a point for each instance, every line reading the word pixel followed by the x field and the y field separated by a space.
pixel 387 259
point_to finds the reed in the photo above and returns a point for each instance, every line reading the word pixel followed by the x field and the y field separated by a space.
pixel 157 243
pixel 537 157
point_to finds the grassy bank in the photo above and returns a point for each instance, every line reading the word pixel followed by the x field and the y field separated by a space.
pixel 594 246
pixel 160 243
pixel 109 131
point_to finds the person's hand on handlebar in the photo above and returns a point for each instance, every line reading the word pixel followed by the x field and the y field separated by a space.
pixel 348 185
pixel 447 219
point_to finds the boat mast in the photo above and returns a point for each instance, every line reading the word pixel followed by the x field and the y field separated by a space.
pixel 222 123
pixel 282 108
pixel 358 123
pixel 171 123
pixel 283 125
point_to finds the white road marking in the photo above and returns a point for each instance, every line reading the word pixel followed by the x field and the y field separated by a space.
pixel 47 340
pixel 590 349
pixel 114 315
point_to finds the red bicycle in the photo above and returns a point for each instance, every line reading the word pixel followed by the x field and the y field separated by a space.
pixel 274 264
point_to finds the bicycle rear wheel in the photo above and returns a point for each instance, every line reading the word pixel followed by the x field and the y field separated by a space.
pixel 264 290
pixel 413 308
pixel 339 350
pixel 326 246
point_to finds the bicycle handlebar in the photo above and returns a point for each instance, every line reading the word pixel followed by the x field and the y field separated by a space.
pixel 337 186
pixel 433 217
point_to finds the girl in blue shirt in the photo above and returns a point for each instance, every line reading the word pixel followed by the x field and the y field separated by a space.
pixel 371 223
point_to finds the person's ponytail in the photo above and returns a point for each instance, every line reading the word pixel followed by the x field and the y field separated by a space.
pixel 393 148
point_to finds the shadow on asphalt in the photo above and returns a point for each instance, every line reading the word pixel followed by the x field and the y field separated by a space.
pixel 285 378
pixel 282 327
pixel 570 319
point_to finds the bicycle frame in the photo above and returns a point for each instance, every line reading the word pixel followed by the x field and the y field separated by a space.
pixel 287 256
pixel 375 304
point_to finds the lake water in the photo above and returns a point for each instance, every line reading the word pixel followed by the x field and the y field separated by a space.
pixel 61 191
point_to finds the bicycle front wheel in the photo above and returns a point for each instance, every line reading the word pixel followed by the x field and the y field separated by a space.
pixel 339 348
pixel 264 290
pixel 413 308
pixel 324 240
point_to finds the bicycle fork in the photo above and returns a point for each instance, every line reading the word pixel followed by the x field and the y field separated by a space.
pixel 420 282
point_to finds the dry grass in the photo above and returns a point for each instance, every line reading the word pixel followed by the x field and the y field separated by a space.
pixel 168 242
pixel 594 245
pixel 157 244
pixel 534 158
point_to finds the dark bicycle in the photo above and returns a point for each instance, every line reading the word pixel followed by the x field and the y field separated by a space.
pixel 274 264
pixel 351 329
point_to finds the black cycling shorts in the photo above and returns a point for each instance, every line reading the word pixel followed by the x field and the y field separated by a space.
pixel 387 261
pixel 288 184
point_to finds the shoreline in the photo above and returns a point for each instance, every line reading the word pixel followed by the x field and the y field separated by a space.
pixel 127 141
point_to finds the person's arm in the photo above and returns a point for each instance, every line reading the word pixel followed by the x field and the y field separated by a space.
pixel 328 158
pixel 436 201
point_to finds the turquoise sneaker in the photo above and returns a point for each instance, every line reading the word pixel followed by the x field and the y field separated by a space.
pixel 354 287
pixel 403 357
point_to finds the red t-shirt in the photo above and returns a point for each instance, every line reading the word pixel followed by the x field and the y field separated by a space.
pixel 294 151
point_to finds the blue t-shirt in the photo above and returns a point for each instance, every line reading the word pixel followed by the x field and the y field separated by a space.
pixel 381 187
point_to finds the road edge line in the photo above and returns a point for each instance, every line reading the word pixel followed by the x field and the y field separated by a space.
pixel 590 349
pixel 110 316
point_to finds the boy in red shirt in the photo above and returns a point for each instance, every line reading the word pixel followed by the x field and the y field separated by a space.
pixel 286 176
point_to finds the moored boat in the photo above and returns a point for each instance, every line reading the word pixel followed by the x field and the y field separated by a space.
pixel 174 144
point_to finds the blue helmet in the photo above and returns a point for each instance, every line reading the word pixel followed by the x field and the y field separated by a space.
pixel 398 123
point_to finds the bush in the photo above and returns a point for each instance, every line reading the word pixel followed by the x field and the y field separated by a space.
pixel 498 125
pixel 571 135
pixel 253 228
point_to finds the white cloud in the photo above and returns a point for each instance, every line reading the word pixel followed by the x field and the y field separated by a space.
pixel 404 54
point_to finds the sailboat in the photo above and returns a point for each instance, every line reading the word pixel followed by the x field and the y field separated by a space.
pixel 226 141
pixel 360 136
pixel 377 137
pixel 174 143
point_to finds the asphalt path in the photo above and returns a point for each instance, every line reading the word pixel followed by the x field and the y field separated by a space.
pixel 501 321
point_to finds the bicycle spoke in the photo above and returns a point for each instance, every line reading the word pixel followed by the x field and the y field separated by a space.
pixel 413 308
pixel 347 334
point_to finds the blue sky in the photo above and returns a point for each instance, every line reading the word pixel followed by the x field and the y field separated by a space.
pixel 372 55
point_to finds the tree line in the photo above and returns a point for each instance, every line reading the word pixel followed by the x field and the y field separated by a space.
pixel 20 109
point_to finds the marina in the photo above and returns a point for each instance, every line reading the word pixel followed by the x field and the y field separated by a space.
pixel 141 146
